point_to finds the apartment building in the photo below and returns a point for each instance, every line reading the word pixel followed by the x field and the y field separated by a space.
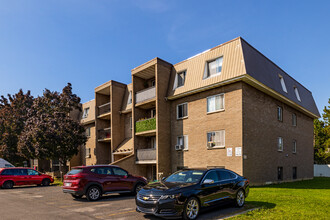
pixel 229 106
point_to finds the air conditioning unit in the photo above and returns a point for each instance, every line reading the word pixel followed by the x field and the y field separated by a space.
pixel 178 147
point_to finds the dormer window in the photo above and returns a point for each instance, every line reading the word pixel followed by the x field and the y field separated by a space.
pixel 181 78
pixel 283 84
pixel 297 93
pixel 129 101
pixel 213 68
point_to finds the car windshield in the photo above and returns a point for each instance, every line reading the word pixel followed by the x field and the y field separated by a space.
pixel 186 176
pixel 75 171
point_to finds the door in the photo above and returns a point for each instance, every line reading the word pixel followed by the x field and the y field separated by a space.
pixel 123 182
pixel 21 177
pixel 211 193
pixel 227 183
pixel 34 176
pixel 105 177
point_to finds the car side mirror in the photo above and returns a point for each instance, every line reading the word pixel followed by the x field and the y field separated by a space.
pixel 208 181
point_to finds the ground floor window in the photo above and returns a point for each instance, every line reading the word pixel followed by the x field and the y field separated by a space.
pixel 294 173
pixel 280 173
pixel 216 139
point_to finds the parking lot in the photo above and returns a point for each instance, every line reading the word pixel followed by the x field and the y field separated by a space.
pixel 32 202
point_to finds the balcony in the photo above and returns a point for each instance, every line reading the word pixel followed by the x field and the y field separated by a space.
pixel 146 156
pixel 104 135
pixel 145 95
pixel 104 111
pixel 146 127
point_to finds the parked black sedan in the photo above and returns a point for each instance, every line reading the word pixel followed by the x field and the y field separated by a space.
pixel 185 192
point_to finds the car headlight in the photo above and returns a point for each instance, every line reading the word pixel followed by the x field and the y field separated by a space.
pixel 169 196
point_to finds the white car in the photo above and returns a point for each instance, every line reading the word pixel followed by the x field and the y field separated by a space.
pixel 5 164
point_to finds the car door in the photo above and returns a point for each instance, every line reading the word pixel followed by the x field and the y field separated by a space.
pixel 226 184
pixel 123 183
pixel 210 192
pixel 21 177
pixel 34 176
pixel 105 177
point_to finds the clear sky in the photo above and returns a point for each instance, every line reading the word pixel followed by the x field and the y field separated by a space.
pixel 47 43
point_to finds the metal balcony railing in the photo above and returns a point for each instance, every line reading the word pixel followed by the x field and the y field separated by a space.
pixel 104 133
pixel 105 108
pixel 145 94
pixel 146 154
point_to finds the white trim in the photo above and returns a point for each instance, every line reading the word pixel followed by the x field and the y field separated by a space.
pixel 217 146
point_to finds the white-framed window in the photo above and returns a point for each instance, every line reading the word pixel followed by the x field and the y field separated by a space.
pixel 294 146
pixel 180 78
pixel 182 111
pixel 280 144
pixel 279 113
pixel 297 93
pixel 294 119
pixel 85 113
pixel 183 141
pixel 88 152
pixel 213 68
pixel 283 84
pixel 216 139
pixel 129 101
pixel 88 132
pixel 215 103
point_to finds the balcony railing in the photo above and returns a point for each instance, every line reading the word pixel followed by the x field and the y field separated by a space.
pixel 145 125
pixel 145 94
pixel 146 154
pixel 104 133
pixel 105 108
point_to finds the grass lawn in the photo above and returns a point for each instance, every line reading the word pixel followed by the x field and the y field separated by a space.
pixel 57 182
pixel 308 199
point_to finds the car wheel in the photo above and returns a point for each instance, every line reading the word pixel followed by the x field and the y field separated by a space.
pixel 8 185
pixel 138 187
pixel 191 208
pixel 93 193
pixel 240 198
pixel 45 182
pixel 76 196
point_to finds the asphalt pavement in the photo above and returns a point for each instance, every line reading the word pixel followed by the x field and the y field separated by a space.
pixel 32 202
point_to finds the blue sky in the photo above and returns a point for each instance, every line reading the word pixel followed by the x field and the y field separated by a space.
pixel 45 43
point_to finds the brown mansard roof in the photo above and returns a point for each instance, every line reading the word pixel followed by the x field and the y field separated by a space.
pixel 243 62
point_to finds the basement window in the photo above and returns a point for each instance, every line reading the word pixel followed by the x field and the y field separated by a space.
pixel 283 84
pixel 297 93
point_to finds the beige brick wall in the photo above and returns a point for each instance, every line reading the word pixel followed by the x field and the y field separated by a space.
pixel 261 130
pixel 199 123
pixel 89 144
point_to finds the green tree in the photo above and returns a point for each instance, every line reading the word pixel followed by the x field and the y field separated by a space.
pixel 50 132
pixel 13 115
pixel 322 137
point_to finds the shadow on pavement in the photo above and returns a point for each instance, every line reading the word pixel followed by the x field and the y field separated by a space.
pixel 112 197
pixel 223 211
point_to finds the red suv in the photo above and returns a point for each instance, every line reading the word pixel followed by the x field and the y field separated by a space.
pixel 93 181
pixel 17 176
